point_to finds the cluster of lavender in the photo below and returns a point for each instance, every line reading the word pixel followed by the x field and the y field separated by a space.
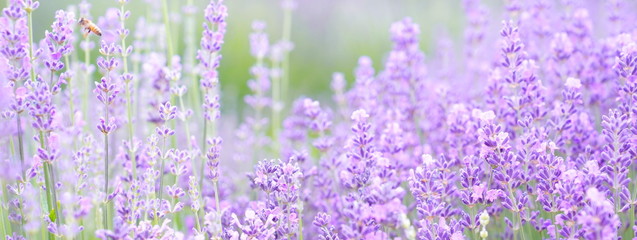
pixel 535 138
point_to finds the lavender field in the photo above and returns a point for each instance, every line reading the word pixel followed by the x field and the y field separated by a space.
pixel 135 120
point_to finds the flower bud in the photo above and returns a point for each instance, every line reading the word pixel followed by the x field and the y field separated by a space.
pixel 484 218
pixel 484 234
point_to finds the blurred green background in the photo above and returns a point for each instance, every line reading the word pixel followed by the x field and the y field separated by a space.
pixel 329 35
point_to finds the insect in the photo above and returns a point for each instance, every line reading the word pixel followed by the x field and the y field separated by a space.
pixel 90 27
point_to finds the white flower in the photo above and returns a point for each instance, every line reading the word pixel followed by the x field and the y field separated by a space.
pixel 484 234
pixel 250 214
pixel 484 218
pixel 570 175
pixel 487 116
pixel 427 159
pixel 592 167
pixel 596 197
pixel 629 48
pixel 562 42
pixel 457 236
pixel 573 83
pixel 502 136
pixel 360 115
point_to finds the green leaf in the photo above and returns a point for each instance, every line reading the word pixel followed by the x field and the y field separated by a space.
pixel 52 215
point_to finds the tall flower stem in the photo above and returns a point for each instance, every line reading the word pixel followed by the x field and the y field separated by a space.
pixel 48 184
pixel 632 219
pixel 2 217
pixel 54 193
pixel 256 128
pixel 300 216
pixel 288 221
pixel 136 72
pixel 169 54
pixel 21 210
pixel 30 23
pixel 87 81
pixel 106 163
pixel 169 40
pixel 186 125
pixel 191 46
pixel 218 208
pixel 70 89
pixel 276 111
pixel 6 225
pixel 203 155
pixel 129 118
pixel 285 62
pixel 129 113
pixel 280 86
pixel 517 214
pixel 161 169
pixel 197 221
pixel 20 147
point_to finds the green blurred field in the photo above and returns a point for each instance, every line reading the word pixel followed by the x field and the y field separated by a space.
pixel 329 35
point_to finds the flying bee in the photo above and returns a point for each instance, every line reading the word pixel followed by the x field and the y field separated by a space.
pixel 89 27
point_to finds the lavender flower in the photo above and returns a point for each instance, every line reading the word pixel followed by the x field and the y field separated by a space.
pixel 615 157
pixel 598 219
pixel 209 57
pixel 59 40
pixel 14 50
pixel 322 221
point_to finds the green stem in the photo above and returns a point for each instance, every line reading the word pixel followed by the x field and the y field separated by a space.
pixel 4 228
pixel 30 23
pixel 186 125
pixel 70 89
pixel 288 220
pixel 161 169
pixel 472 214
pixel 203 149
pixel 54 196
pixel 87 83
pixel 129 113
pixel 137 84
pixel 48 194
pixel 287 27
pixel 176 216
pixel 276 112
pixel 553 215
pixel 105 205
pixel 300 223
pixel 129 118
pixel 632 220
pixel 20 208
pixel 280 86
pixel 82 237
pixel 516 214
pixel 203 154
pixel 47 182
pixel 632 208
pixel 197 221
pixel 20 147
pixel 169 41
pixel 195 96
pixel 6 225
pixel 218 208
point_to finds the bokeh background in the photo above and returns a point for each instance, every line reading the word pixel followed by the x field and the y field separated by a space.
pixel 329 35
